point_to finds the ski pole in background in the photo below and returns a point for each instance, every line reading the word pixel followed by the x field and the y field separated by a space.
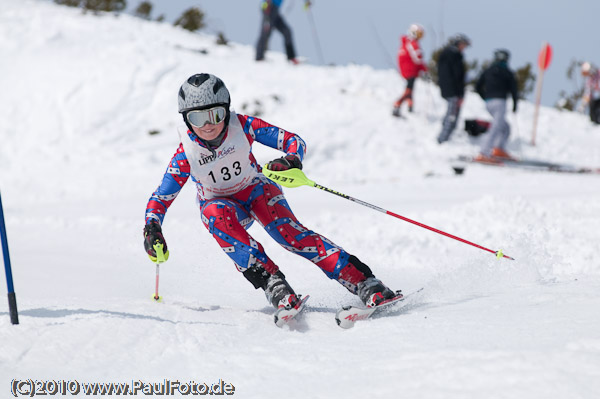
pixel 12 298
pixel 516 121
pixel 307 5
pixel 295 178
pixel 430 112
pixel 160 258
pixel 388 58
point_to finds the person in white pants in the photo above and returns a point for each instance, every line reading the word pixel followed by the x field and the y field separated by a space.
pixel 494 85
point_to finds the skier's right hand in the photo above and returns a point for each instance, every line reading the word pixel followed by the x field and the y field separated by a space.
pixel 153 240
pixel 290 161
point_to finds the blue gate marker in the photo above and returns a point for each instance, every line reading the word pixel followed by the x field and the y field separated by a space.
pixel 12 299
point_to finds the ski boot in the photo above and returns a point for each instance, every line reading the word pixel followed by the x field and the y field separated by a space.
pixel 285 300
pixel 279 293
pixel 372 292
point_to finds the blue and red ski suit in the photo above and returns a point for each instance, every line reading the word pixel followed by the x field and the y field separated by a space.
pixel 229 210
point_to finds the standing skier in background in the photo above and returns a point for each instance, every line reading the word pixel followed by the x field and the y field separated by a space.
pixel 410 63
pixel 216 152
pixel 494 85
pixel 272 19
pixel 591 90
pixel 451 79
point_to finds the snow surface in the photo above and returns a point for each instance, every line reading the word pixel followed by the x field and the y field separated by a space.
pixel 80 94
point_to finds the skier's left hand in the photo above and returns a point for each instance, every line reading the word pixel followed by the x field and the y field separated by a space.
pixel 290 161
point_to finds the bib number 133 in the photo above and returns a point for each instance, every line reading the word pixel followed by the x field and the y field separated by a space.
pixel 226 172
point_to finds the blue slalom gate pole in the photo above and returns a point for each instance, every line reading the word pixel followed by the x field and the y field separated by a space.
pixel 12 299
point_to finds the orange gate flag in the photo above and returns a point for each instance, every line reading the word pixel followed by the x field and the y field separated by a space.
pixel 544 58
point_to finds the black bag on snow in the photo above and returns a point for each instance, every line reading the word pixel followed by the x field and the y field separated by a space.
pixel 475 127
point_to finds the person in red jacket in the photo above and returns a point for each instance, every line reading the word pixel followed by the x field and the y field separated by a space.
pixel 411 64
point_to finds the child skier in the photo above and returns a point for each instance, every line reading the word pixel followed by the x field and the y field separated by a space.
pixel 216 152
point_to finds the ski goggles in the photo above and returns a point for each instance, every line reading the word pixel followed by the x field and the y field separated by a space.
pixel 201 117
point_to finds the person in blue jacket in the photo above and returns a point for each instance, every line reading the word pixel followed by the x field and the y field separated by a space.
pixel 272 19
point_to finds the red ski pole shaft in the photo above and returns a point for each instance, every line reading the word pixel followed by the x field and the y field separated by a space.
pixel 295 178
pixel 156 296
pixel 497 253
pixel 160 257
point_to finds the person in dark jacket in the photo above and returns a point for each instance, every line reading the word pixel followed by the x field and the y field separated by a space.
pixel 494 85
pixel 451 79
pixel 272 19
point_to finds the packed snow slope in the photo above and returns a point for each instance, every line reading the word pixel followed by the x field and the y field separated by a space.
pixel 81 94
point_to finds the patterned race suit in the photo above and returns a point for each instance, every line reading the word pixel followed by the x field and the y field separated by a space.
pixel 232 193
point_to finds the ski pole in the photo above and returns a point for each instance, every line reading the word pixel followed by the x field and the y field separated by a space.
pixel 160 258
pixel 295 178
pixel 12 298
pixel 314 31
pixel 516 120
pixel 388 58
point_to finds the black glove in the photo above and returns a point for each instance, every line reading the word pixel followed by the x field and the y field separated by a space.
pixel 290 161
pixel 152 236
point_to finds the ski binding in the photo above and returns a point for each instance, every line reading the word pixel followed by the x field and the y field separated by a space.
pixel 348 315
pixel 284 315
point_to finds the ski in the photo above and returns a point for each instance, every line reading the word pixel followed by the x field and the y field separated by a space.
pixel 532 164
pixel 284 315
pixel 348 315
pixel 551 166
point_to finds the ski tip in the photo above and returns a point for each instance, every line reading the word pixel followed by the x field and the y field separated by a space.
pixel 283 316
pixel 339 323
pixel 345 324
pixel 284 319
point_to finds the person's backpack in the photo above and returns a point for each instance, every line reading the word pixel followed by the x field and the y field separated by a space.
pixel 475 127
